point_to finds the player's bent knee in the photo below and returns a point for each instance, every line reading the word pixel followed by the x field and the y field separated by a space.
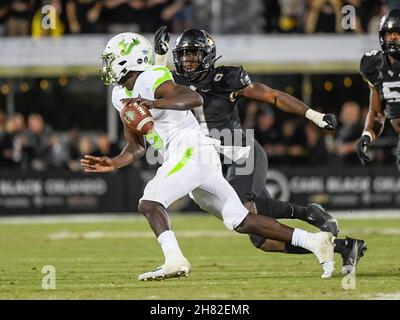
pixel 256 240
pixel 247 225
pixel 147 207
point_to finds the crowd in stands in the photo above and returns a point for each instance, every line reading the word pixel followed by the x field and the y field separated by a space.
pixel 30 144
pixel 25 17
pixel 294 141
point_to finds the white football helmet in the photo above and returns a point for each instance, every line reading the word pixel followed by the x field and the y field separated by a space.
pixel 125 52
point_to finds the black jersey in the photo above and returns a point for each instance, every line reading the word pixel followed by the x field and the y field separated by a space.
pixel 220 109
pixel 385 78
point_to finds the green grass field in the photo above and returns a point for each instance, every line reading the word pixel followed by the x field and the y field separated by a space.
pixel 102 261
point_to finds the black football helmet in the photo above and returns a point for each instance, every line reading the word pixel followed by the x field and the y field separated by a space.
pixel 390 23
pixel 195 40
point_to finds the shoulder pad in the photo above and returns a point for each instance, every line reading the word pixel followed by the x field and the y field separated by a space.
pixel 232 78
pixel 156 76
pixel 370 64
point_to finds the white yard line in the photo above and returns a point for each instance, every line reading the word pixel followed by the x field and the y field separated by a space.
pixel 101 234
pixel 137 234
pixel 93 218
pixel 384 296
pixel 68 218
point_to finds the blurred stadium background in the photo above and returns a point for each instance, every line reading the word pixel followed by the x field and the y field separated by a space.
pixel 54 107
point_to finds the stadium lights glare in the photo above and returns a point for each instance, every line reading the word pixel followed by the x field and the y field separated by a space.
pixel 347 82
pixel 63 81
pixel 44 84
pixel 328 86
pixel 24 87
pixel 5 89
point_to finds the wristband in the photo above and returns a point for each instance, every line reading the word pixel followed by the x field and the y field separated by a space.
pixel 314 116
pixel 368 134
pixel 161 60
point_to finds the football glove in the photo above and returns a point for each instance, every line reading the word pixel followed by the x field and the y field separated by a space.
pixel 161 41
pixel 322 120
pixel 362 148
pixel 330 121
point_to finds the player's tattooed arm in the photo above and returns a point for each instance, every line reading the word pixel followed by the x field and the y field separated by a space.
pixel 261 92
pixel 134 149
pixel 287 103
pixel 172 96
pixel 374 124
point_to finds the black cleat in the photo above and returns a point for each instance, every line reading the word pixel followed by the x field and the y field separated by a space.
pixel 351 257
pixel 320 218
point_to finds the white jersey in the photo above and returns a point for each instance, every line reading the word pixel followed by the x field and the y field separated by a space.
pixel 171 127
pixel 191 163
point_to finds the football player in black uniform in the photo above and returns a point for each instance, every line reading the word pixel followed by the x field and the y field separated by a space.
pixel 381 68
pixel 194 58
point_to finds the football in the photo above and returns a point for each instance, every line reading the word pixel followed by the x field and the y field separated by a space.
pixel 137 118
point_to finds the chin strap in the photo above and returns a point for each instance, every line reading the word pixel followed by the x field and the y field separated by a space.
pixel 216 59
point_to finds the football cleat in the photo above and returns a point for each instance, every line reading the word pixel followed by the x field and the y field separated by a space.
pixel 321 244
pixel 176 269
pixel 351 257
pixel 317 216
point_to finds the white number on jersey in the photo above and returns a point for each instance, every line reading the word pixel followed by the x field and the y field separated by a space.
pixel 372 53
pixel 391 91
pixel 218 77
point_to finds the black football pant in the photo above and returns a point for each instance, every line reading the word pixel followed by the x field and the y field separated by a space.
pixel 252 187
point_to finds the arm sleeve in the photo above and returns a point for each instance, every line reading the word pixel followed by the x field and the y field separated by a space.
pixel 161 59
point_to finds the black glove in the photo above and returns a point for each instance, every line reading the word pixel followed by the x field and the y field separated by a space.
pixel 362 147
pixel 161 41
pixel 330 120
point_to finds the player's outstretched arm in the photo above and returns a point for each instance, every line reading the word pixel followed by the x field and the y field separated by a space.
pixel 161 45
pixel 261 92
pixel 132 150
pixel 374 124
pixel 171 96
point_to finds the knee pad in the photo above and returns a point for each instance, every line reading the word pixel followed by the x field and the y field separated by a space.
pixel 256 240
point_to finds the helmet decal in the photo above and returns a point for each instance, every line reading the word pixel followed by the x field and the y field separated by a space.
pixel 126 47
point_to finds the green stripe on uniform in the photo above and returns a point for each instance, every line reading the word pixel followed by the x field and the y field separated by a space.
pixel 187 155
pixel 166 76
pixel 128 93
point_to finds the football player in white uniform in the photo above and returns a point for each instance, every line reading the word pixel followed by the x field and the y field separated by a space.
pixel 191 164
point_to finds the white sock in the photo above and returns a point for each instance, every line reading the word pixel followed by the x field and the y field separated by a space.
pixel 299 238
pixel 169 245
